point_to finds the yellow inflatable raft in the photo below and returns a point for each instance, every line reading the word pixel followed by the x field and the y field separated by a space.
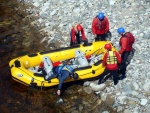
pixel 24 68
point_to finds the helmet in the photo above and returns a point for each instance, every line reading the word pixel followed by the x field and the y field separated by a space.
pixel 107 46
pixel 79 27
pixel 100 16
pixel 120 30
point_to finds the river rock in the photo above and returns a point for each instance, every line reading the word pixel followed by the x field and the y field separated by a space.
pixel 146 86
pixel 121 99
pixel 144 101
pixel 97 87
pixel 110 100
pixel 88 90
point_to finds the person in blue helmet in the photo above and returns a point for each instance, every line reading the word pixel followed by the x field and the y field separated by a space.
pixel 100 27
pixel 126 42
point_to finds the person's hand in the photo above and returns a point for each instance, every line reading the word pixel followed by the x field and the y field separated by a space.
pixel 58 92
pixel 95 36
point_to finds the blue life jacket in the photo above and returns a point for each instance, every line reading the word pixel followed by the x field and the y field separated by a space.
pixel 64 67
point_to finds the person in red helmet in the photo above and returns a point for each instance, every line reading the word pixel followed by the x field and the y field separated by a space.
pixel 100 27
pixel 77 35
pixel 111 60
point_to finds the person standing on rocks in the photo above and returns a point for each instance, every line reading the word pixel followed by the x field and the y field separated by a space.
pixel 126 42
pixel 111 60
pixel 75 35
pixel 100 27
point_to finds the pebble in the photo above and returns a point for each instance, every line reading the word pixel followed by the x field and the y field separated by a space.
pixel 144 101
pixel 59 101
pixel 96 87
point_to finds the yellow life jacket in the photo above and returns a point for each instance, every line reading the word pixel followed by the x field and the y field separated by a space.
pixel 111 59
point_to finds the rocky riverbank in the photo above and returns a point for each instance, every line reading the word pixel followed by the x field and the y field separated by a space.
pixel 131 94
pixel 51 21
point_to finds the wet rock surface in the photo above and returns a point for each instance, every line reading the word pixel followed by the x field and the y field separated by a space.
pixel 29 26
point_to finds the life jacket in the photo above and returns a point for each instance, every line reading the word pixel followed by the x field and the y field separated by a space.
pixel 111 59
pixel 101 24
pixel 41 65
pixel 56 63
pixel 130 38
pixel 64 67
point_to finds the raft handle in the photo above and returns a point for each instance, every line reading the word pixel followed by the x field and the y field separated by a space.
pixel 17 63
pixel 93 71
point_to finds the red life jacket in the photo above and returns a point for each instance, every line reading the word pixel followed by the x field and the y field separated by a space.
pixel 54 64
pixel 101 24
pixel 130 37
pixel 41 65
